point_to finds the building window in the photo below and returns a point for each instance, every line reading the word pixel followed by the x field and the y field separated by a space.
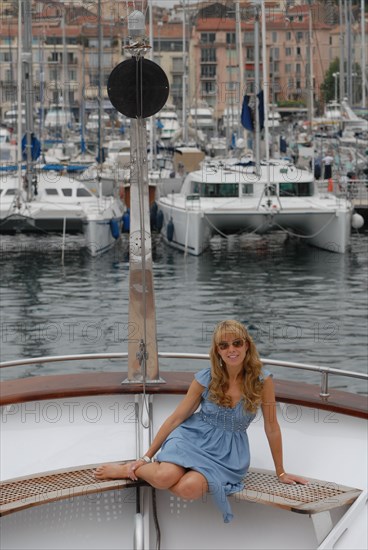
pixel 249 37
pixel 298 51
pixel 250 54
pixel 230 38
pixel 288 68
pixel 274 36
pixel 208 71
pixel 208 55
pixel 208 87
pixel 208 37
pixel 299 36
pixel 287 51
pixel 297 68
pixel 177 65
pixel 288 35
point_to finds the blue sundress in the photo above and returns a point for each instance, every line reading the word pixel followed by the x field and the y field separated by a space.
pixel 214 442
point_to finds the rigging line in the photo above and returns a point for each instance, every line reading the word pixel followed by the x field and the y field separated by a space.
pixel 237 233
pixel 139 129
pixel 306 236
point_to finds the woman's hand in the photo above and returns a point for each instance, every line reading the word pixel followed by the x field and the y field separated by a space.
pixel 133 466
pixel 291 479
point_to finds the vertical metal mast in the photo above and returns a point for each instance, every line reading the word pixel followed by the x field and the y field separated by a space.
pixel 256 91
pixel 364 82
pixel 139 88
pixel 28 90
pixel 142 344
pixel 185 77
pixel 342 54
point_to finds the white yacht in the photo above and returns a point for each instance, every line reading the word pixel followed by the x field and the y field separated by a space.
pixel 60 204
pixel 230 197
pixel 202 119
pixel 58 117
pixel 167 122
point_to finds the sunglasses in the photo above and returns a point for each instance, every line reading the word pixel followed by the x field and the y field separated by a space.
pixel 239 343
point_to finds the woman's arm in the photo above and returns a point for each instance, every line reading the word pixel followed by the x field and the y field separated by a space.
pixel 273 433
pixel 185 409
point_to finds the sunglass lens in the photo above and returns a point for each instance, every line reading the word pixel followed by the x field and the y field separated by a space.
pixel 238 343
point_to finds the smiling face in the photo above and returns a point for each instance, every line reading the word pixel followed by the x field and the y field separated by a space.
pixel 232 349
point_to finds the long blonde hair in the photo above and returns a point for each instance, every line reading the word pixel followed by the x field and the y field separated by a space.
pixel 250 383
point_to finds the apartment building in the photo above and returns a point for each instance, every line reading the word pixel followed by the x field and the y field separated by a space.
pixel 200 44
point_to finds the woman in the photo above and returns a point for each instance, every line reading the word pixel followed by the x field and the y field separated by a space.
pixel 208 450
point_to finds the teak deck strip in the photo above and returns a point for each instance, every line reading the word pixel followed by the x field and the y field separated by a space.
pixel 261 486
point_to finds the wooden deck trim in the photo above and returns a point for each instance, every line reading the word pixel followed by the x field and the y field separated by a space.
pixel 177 383
pixel 261 486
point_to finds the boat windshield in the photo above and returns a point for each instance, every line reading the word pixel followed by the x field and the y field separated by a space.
pixel 216 189
pixel 296 189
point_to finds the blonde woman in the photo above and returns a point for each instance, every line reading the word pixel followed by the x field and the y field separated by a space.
pixel 206 450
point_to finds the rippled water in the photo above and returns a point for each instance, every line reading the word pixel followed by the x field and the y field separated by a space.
pixel 299 303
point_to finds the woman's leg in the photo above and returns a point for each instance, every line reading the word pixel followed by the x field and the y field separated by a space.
pixel 161 475
pixel 192 485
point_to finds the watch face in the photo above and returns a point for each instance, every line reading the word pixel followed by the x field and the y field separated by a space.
pixel 138 88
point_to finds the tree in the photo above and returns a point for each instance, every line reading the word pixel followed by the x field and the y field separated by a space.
pixel 328 85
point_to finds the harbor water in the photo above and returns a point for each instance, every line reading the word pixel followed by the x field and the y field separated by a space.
pixel 299 303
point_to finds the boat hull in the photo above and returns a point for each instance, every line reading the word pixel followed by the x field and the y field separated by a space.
pixel 98 420
pixel 327 228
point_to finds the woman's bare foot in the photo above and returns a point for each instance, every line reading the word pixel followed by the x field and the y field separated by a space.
pixel 112 471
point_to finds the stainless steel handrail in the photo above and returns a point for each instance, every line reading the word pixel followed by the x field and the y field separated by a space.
pixel 325 371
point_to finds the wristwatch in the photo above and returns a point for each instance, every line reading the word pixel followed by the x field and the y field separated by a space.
pixel 146 458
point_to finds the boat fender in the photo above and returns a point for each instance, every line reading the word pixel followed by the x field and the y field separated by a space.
pixel 153 215
pixel 159 220
pixel 357 221
pixel 126 221
pixel 115 230
pixel 170 230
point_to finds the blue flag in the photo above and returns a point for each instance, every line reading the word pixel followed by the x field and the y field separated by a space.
pixel 246 115
pixel 35 147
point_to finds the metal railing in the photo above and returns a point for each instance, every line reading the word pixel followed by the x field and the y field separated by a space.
pixel 324 371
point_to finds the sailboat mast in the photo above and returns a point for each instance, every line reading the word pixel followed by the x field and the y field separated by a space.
pixel 184 105
pixel 28 90
pixel 364 82
pixel 19 97
pixel 100 101
pixel 342 49
pixel 239 49
pixel 265 86
pixel 310 65
pixel 65 103
pixel 256 89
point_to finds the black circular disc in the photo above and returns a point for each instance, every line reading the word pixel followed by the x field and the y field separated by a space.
pixel 138 88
